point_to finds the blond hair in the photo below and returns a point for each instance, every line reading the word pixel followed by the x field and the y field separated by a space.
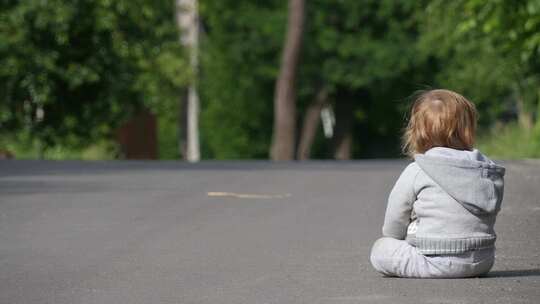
pixel 440 118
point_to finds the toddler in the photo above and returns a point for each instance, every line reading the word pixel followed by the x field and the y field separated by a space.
pixel 441 212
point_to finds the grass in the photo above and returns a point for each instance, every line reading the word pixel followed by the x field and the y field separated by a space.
pixel 22 147
pixel 510 141
pixel 504 141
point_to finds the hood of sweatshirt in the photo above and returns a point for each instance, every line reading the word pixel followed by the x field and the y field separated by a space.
pixel 469 177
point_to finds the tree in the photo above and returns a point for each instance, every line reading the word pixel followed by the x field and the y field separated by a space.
pixel 188 23
pixel 239 65
pixel 311 123
pixel 490 51
pixel 71 71
pixel 363 53
pixel 283 145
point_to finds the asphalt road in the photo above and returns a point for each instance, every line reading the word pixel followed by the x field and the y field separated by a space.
pixel 165 232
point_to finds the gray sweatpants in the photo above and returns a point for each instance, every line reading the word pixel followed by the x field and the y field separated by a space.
pixel 394 257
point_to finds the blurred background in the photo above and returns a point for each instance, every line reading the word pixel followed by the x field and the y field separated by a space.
pixel 254 79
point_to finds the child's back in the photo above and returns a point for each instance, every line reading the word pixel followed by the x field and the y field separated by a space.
pixel 458 196
pixel 441 212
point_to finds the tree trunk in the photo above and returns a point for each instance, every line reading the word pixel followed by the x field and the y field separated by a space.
pixel 343 138
pixel 311 123
pixel 187 20
pixel 344 146
pixel 283 142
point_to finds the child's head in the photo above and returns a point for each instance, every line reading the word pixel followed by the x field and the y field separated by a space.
pixel 440 118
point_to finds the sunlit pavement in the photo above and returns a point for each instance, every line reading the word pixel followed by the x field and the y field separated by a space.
pixel 238 232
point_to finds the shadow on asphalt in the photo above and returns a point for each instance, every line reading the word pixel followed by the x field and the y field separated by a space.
pixel 491 275
pixel 513 273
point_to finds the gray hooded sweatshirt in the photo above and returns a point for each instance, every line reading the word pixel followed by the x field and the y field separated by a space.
pixel 451 197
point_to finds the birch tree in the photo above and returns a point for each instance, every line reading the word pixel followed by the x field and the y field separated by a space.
pixel 188 23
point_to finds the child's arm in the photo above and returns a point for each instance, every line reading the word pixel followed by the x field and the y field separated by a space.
pixel 400 202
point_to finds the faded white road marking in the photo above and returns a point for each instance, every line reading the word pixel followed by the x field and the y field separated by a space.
pixel 249 195
pixel 357 298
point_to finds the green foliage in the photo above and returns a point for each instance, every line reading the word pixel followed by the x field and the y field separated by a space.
pixel 371 55
pixel 357 43
pixel 167 129
pixel 363 51
pixel 488 50
pixel 25 146
pixel 510 141
pixel 70 71
pixel 240 53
